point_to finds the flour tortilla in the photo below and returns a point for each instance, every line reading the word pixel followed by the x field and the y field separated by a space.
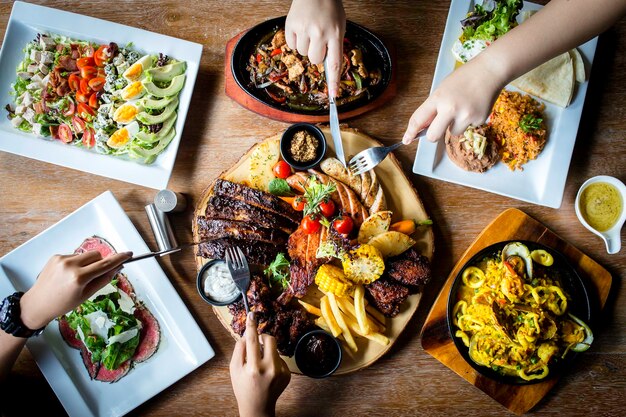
pixel 552 81
pixel 579 66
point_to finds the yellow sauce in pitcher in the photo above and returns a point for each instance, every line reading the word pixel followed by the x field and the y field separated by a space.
pixel 601 205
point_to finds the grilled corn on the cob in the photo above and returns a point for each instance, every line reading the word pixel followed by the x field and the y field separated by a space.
pixel 363 265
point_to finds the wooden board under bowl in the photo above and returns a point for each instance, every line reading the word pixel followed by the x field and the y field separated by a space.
pixel 512 224
pixel 240 96
pixel 402 199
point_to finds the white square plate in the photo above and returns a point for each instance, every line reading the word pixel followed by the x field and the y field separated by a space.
pixel 183 346
pixel 543 180
pixel 25 22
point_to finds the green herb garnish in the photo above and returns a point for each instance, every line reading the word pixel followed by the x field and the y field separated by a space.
pixel 278 271
pixel 315 193
pixel 530 123
pixel 280 187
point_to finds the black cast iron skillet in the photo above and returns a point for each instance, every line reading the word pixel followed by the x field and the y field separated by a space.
pixel 376 55
pixel 579 305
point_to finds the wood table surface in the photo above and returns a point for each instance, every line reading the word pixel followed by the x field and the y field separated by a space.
pixel 407 381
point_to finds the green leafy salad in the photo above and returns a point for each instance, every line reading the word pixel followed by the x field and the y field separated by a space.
pixel 484 25
pixel 107 327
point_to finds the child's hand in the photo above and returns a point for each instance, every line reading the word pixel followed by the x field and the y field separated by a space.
pixel 464 98
pixel 257 372
pixel 316 28
pixel 65 282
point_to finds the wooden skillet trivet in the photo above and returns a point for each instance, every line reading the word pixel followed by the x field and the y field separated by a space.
pixel 509 225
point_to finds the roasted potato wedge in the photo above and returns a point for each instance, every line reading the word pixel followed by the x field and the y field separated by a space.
pixel 374 225
pixel 391 243
pixel 262 161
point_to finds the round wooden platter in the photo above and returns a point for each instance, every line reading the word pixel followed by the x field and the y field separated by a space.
pixel 402 199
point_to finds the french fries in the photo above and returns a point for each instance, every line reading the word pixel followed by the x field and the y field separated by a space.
pixel 327 313
pixel 341 322
pixel 347 317
pixel 310 308
pixel 359 307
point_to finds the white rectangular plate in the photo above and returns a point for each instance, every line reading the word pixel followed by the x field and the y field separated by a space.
pixel 25 22
pixel 183 346
pixel 543 180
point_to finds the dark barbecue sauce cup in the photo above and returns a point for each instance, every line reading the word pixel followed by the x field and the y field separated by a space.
pixel 318 354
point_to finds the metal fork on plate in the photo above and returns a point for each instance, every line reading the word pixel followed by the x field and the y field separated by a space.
pixel 369 158
pixel 240 271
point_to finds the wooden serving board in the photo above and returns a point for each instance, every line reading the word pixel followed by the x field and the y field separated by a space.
pixel 509 225
pixel 402 199
pixel 239 95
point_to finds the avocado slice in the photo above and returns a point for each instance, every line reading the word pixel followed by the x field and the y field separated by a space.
pixel 156 104
pixel 167 72
pixel 149 155
pixel 155 137
pixel 175 86
pixel 150 119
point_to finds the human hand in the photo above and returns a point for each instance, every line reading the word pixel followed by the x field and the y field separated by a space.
pixel 315 28
pixel 65 282
pixel 464 98
pixel 257 372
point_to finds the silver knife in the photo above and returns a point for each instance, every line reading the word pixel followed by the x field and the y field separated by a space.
pixel 334 126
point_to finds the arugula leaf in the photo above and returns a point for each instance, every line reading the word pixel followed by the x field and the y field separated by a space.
pixel 491 25
pixel 117 353
pixel 278 271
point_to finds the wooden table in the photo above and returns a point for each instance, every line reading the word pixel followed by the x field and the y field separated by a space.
pixel 407 381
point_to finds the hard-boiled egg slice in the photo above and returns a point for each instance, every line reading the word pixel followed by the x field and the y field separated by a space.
pixel 136 71
pixel 132 91
pixel 127 112
pixel 122 136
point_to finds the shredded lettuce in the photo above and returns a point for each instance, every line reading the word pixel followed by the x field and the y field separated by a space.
pixel 489 26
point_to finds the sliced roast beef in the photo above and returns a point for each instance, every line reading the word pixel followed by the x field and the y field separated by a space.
pixel 96 243
pixel 256 198
pixel 124 284
pixel 211 229
pixel 150 335
pixel 69 334
pixel 225 208
pixel 92 368
pixel 113 375
pixel 256 252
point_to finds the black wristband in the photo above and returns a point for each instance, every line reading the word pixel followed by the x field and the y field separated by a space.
pixel 11 320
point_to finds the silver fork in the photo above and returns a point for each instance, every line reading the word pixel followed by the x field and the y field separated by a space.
pixel 238 267
pixel 369 158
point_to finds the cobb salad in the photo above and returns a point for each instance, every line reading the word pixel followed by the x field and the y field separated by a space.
pixel 113 99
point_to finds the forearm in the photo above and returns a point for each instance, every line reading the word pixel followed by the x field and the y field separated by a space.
pixel 561 25
pixel 10 348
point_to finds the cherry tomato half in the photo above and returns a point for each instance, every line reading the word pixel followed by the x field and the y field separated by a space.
pixel 74 82
pixel 89 137
pixel 82 97
pixel 84 87
pixel 97 83
pixel 298 203
pixel 343 225
pixel 101 56
pixel 87 51
pixel 85 62
pixel 282 170
pixel 79 124
pixel 69 109
pixel 65 133
pixel 327 208
pixel 85 112
pixel 93 100
pixel 88 72
pixel 310 225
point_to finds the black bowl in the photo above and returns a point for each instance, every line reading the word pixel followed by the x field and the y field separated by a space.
pixel 572 284
pixel 285 144
pixel 200 286
pixel 299 353
pixel 377 57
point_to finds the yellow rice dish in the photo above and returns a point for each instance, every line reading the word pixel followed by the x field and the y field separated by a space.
pixel 518 126
pixel 513 314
